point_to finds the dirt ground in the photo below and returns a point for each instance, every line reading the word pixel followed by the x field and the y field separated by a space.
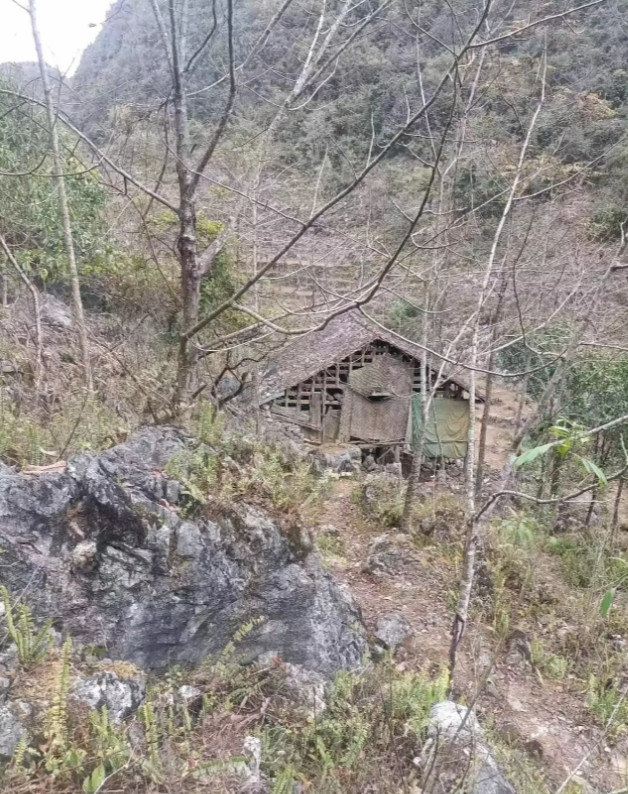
pixel 545 719
pixel 545 722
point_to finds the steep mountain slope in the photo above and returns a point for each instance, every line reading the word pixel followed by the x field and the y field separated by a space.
pixel 374 76
pixel 381 65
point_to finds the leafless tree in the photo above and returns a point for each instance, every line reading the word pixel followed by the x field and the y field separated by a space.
pixel 77 302
pixel 34 293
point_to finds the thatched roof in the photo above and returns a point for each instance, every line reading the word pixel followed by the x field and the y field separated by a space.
pixel 312 352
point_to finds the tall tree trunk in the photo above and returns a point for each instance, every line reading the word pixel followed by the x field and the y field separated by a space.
pixel 414 481
pixel 472 539
pixel 186 242
pixel 523 390
pixel 34 292
pixel 556 466
pixel 615 521
pixel 77 303
pixel 592 503
pixel 413 489
pixel 191 295
pixel 473 523
pixel 540 491
pixel 488 393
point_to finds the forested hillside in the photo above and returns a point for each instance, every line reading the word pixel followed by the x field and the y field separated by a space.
pixel 198 558
pixel 319 95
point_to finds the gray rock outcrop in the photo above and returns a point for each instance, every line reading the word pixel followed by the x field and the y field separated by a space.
pixel 104 551
pixel 305 688
pixel 342 460
pixel 11 731
pixel 120 696
pixel 457 755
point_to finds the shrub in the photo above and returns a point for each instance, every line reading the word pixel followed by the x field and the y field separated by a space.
pixel 366 739
pixel 608 703
pixel 605 224
pixel 368 734
pixel 577 559
pixel 210 426
pixel 381 499
pixel 549 664
pixel 586 566
pixel 258 472
pixel 81 751
pixel 80 425
pixel 22 440
pixel 32 644
pixel 329 544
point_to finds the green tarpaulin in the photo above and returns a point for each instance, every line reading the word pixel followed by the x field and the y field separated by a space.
pixel 447 426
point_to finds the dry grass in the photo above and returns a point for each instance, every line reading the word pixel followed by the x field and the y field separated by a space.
pixel 367 737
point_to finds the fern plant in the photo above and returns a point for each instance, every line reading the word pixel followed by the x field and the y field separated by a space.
pixel 210 426
pixel 61 757
pixel 197 472
pixel 285 782
pixel 108 741
pixel 32 645
pixel 412 697
pixel 152 765
pixel 18 762
pixel 369 716
pixel 110 749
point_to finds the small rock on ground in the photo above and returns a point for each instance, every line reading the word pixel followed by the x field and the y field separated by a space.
pixel 121 696
pixel 304 687
pixel 456 742
pixel 389 555
pixel 392 629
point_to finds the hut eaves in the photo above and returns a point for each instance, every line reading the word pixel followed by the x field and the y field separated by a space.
pixel 317 350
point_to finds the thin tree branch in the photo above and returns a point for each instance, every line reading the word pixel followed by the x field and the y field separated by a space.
pixel 104 158
pixel 39 345
pixel 544 20
pixel 209 151
pixel 190 332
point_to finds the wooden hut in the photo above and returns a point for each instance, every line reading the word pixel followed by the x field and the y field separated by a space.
pixel 356 382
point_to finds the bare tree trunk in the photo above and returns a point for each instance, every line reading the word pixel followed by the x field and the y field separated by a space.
pixel 488 393
pixel 523 390
pixel 186 241
pixel 540 492
pixel 193 265
pixel 34 292
pixel 488 390
pixel 470 552
pixel 190 289
pixel 413 490
pixel 615 521
pixel 587 521
pixel 77 303
pixel 556 465
pixel 471 545
pixel 414 481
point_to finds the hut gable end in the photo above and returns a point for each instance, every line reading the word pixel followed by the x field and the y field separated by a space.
pixel 351 381
pixel 344 336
